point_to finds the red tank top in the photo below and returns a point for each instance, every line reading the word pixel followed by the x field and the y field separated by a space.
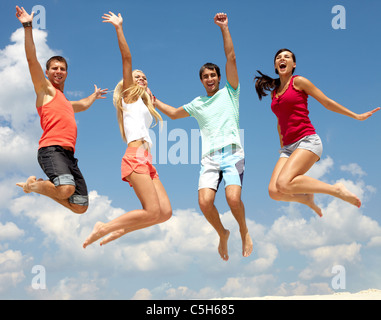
pixel 58 123
pixel 291 109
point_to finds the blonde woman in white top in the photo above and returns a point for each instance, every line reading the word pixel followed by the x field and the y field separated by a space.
pixel 135 112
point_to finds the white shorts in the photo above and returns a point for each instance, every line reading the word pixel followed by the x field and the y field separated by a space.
pixel 312 143
pixel 227 163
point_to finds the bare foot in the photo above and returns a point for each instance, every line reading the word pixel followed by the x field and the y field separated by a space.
pixel 94 235
pixel 113 236
pixel 346 195
pixel 311 203
pixel 223 246
pixel 26 185
pixel 247 245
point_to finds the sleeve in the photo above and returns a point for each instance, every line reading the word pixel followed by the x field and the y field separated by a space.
pixel 189 107
pixel 233 92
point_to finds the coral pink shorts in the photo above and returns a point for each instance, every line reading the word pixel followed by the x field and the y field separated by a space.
pixel 138 160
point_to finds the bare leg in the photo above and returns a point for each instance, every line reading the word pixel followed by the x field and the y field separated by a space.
pixel 60 194
pixel 206 201
pixel 165 214
pixel 151 214
pixel 292 182
pixel 275 194
pixel 233 197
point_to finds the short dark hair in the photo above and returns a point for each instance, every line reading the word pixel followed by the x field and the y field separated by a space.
pixel 56 58
pixel 210 66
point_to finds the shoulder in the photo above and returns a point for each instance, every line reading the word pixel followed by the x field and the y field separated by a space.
pixel 301 83
pixel 229 87
pixel 196 102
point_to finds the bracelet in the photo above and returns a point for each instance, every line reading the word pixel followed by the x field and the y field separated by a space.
pixel 27 24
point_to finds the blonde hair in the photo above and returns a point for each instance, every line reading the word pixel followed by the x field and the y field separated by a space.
pixel 132 93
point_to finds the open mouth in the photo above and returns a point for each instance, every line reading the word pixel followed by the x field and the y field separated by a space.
pixel 282 66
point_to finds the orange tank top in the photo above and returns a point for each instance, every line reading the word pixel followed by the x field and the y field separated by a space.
pixel 58 123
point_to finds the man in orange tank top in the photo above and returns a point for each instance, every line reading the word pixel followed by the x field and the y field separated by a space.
pixel 66 184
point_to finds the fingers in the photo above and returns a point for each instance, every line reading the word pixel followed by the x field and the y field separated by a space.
pixel 99 93
pixel 371 113
pixel 368 114
pixel 220 17
pixel 112 18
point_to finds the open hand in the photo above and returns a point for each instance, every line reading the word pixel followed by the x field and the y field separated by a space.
pixel 99 93
pixel 115 20
pixel 367 115
pixel 23 16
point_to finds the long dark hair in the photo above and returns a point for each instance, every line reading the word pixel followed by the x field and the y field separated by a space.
pixel 265 83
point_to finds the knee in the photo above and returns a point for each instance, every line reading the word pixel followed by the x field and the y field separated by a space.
pixel 205 204
pixel 165 214
pixel 275 194
pixel 283 186
pixel 78 209
pixel 234 202
pixel 65 191
pixel 153 213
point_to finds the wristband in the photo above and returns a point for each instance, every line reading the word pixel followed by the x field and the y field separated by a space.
pixel 27 24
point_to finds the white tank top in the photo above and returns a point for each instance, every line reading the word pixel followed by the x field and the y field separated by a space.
pixel 136 120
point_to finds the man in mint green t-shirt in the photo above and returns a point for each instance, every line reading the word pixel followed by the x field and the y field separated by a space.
pixel 217 114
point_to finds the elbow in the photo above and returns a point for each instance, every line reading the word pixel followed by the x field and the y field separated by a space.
pixel 126 58
pixel 232 58
pixel 173 116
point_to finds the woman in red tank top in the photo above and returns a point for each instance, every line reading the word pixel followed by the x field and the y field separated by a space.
pixel 301 147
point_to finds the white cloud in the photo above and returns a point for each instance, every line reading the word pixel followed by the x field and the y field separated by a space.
pixel 299 289
pixel 321 168
pixel 85 286
pixel 16 89
pixel 17 152
pixel 10 231
pixel 248 286
pixel 11 269
pixel 354 169
pixel 266 255
pixel 142 294
pixel 324 258
pixel 375 242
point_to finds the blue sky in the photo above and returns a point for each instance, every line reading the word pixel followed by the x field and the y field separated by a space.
pixel 294 251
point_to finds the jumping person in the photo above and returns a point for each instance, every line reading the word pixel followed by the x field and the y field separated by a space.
pixel 133 101
pixel 217 114
pixel 66 184
pixel 301 147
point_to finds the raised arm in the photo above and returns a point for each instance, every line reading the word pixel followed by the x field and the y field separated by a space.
pixel 221 19
pixel 117 22
pixel 307 86
pixel 41 84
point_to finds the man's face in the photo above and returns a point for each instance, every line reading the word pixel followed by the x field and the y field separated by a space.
pixel 211 81
pixel 57 73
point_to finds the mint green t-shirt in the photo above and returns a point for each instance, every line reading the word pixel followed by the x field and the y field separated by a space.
pixel 218 118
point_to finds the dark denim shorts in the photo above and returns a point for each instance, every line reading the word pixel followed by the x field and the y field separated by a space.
pixel 61 168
